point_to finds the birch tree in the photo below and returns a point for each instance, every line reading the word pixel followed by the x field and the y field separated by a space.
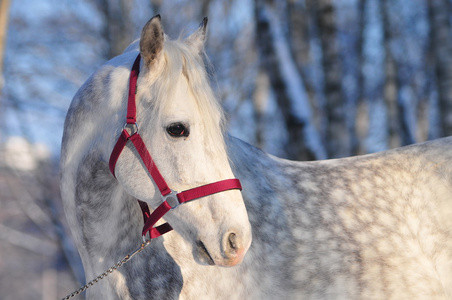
pixel 304 142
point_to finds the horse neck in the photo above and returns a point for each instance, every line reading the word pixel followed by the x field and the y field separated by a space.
pixel 109 219
pixel 108 223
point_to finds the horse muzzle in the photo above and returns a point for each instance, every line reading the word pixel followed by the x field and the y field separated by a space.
pixel 233 247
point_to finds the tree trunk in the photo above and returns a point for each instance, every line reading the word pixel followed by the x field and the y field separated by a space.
pixel 117 31
pixel 300 38
pixel 4 14
pixel 260 99
pixel 441 48
pixel 155 6
pixel 362 113
pixel 338 137
pixel 276 58
pixel 390 88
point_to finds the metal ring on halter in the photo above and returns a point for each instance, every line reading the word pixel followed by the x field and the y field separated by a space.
pixel 132 128
pixel 145 240
pixel 171 199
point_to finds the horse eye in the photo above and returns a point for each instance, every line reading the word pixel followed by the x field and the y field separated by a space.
pixel 177 130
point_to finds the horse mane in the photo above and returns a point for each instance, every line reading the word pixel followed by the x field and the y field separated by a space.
pixel 180 59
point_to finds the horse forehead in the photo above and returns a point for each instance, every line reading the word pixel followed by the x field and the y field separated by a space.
pixel 176 103
pixel 183 97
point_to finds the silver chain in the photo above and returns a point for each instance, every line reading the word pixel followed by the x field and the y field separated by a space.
pixel 108 271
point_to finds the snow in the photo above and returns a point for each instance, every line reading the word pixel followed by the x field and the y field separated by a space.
pixel 23 156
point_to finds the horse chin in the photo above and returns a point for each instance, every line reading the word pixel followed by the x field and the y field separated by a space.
pixel 230 262
pixel 203 257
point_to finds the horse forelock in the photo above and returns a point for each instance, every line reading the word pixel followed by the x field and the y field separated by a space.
pixel 179 59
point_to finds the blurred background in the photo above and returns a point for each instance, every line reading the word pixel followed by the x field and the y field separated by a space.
pixel 301 79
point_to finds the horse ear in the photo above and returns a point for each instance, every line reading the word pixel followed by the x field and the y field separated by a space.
pixel 151 42
pixel 198 38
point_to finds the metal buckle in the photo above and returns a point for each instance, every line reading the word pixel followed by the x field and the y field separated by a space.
pixel 171 199
pixel 132 128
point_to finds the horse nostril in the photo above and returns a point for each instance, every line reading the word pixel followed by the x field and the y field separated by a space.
pixel 233 249
pixel 232 244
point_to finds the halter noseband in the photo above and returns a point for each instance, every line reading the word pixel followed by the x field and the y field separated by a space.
pixel 171 199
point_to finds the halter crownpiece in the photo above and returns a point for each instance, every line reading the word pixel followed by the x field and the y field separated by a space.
pixel 170 199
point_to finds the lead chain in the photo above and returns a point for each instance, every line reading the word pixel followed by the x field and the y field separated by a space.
pixel 108 271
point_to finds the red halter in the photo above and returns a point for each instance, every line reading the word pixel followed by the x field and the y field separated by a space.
pixel 171 199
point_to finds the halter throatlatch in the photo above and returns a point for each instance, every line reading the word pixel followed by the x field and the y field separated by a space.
pixel 171 199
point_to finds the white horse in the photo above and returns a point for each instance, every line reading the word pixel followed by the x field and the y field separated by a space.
pixel 372 227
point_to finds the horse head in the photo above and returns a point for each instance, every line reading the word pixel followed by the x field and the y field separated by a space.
pixel 180 122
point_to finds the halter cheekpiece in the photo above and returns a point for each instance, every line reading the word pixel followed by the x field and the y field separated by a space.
pixel 171 199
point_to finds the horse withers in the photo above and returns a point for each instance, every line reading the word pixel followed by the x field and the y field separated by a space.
pixel 370 227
